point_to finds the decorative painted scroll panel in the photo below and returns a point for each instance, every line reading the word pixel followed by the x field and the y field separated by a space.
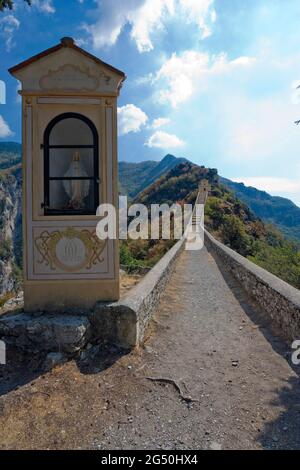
pixel 70 252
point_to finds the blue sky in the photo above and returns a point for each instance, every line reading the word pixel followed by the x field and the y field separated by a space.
pixel 212 80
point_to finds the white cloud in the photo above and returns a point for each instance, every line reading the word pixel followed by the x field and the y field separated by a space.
pixel 159 122
pixel 197 11
pixel 164 140
pixel 46 6
pixel 243 61
pixel 9 24
pixel 4 128
pixel 271 184
pixel 146 17
pixel 213 16
pixel 182 75
pixel 131 119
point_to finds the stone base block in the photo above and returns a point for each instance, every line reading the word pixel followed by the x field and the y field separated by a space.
pixel 46 332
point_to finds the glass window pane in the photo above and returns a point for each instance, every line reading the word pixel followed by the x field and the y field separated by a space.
pixel 71 131
pixel 71 195
pixel 71 162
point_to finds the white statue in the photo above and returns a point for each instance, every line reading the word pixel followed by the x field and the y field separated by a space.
pixel 77 190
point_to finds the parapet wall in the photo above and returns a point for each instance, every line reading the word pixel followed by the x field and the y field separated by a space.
pixel 125 322
pixel 279 300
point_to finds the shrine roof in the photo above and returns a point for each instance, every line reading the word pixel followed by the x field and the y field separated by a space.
pixel 65 42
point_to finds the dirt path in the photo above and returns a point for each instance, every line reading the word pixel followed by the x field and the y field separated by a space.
pixel 209 340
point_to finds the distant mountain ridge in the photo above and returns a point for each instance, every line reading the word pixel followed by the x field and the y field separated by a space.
pixel 282 212
pixel 271 209
pixel 135 177
pixel 10 154
pixel 229 219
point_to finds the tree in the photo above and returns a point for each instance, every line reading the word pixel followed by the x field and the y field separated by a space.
pixel 9 4
pixel 234 234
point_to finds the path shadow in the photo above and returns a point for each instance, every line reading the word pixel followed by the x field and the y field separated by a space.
pixel 99 358
pixel 21 369
pixel 283 432
pixel 256 314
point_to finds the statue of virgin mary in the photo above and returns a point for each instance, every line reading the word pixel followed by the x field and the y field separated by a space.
pixel 77 190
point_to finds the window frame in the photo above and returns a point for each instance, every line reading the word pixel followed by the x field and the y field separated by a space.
pixel 47 178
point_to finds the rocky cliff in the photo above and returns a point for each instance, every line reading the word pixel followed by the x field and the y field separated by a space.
pixel 10 229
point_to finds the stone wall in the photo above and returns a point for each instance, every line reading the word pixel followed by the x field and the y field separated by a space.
pixel 125 322
pixel 279 300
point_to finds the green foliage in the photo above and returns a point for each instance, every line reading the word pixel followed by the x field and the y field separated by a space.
pixel 283 261
pixel 4 298
pixel 231 221
pixel 126 256
pixel 135 177
pixel 17 277
pixel 9 4
pixel 276 210
pixel 9 159
pixel 234 234
pixel 180 184
pixel 214 211
pixel 143 253
pixel 5 249
pixel 10 155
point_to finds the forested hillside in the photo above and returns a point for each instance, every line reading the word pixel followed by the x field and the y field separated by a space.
pixel 271 209
pixel 178 185
pixel 10 219
pixel 228 219
pixel 135 177
pixel 10 154
pixel 233 223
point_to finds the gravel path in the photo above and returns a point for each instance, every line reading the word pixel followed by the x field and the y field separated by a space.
pixel 211 375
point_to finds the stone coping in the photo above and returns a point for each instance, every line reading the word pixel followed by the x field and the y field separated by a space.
pixel 279 300
pixel 124 322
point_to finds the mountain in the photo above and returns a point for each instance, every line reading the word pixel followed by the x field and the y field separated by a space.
pixel 10 154
pixel 134 177
pixel 235 214
pixel 10 227
pixel 228 218
pixel 180 184
pixel 279 211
